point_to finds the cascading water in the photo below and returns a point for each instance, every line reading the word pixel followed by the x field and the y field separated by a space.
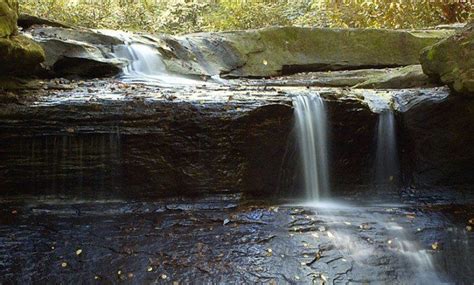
pixel 145 63
pixel 311 128
pixel 386 160
pixel 147 66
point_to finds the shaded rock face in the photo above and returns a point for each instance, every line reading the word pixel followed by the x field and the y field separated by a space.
pixel 436 140
pixel 135 150
pixel 141 147
pixel 451 61
pixel 8 17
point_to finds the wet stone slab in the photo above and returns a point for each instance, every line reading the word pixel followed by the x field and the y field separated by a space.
pixel 219 239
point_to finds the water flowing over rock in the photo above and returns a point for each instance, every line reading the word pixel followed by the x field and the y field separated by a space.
pixel 311 129
pixel 451 61
pixel 144 178
pixel 386 160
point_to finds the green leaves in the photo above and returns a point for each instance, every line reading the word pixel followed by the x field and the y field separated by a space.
pixel 186 16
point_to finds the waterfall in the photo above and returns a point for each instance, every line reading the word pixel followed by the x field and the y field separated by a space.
pixel 311 124
pixel 146 66
pixel 386 159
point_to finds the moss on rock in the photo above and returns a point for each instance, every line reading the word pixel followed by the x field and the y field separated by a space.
pixel 19 55
pixel 285 50
pixel 8 17
pixel 451 61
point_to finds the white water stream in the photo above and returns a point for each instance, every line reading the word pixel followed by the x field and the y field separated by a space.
pixel 311 128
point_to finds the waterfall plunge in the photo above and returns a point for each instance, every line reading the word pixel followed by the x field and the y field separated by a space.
pixel 386 160
pixel 311 128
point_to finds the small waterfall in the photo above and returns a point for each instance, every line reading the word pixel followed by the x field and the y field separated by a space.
pixel 147 66
pixel 386 159
pixel 311 124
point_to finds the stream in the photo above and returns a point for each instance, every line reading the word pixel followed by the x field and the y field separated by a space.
pixel 151 177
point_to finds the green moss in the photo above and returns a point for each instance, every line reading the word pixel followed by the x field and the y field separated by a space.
pixel 8 17
pixel 19 55
pixel 431 54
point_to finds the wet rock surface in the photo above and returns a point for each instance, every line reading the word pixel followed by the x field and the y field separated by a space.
pixel 219 240
pixel 107 138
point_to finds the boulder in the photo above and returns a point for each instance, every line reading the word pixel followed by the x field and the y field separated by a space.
pixel 451 61
pixel 73 58
pixel 19 55
pixel 285 50
pixel 8 17
pixel 77 52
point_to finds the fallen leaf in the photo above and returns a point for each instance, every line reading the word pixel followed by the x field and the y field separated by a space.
pixel 411 216
pixel 435 245
pixel 265 62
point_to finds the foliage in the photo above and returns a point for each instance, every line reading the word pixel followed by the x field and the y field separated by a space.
pixel 185 16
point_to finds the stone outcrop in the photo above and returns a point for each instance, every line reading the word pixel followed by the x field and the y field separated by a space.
pixel 451 61
pixel 284 50
pixel 8 17
pixel 19 55
pixel 77 52
pixel 436 136
pixel 103 139
pixel 257 53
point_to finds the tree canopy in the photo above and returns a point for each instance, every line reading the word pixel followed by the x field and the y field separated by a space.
pixel 181 16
